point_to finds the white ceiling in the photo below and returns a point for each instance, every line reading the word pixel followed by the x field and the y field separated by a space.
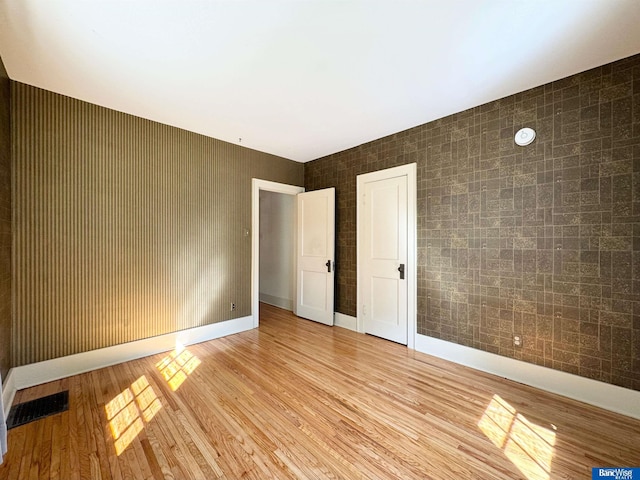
pixel 303 79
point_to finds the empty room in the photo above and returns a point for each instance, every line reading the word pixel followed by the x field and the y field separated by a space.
pixel 320 239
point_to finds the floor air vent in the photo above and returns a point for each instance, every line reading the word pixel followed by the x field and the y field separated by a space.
pixel 28 412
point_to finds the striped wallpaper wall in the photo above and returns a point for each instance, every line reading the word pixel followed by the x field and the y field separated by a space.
pixel 124 228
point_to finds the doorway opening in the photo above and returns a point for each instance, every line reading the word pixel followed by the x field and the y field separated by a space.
pixel 277 249
pixel 272 266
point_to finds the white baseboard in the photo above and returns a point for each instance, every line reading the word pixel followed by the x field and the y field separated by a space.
pixel 57 368
pixel 8 393
pixel 285 303
pixel 345 321
pixel 604 395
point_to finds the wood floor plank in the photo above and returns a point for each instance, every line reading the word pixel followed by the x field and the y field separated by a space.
pixel 296 399
pixel 32 469
pixel 109 391
pixel 12 463
pixel 85 451
pixel 97 422
pixel 72 466
pixel 46 443
pixel 56 446
pixel 137 384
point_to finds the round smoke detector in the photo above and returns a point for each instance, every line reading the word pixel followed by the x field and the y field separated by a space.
pixel 525 136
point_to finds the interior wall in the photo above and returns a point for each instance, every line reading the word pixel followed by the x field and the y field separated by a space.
pixel 5 222
pixel 125 228
pixel 277 248
pixel 541 241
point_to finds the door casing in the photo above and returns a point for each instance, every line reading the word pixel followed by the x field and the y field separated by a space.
pixel 409 171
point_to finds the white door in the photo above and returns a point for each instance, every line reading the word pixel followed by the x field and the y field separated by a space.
pixel 384 259
pixel 315 255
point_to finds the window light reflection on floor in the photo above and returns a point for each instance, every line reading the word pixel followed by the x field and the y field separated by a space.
pixel 127 411
pixel 177 366
pixel 527 445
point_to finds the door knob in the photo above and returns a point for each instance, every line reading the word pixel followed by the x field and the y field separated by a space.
pixel 401 270
pixel 328 265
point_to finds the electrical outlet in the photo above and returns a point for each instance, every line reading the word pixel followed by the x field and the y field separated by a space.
pixel 517 340
pixel 233 306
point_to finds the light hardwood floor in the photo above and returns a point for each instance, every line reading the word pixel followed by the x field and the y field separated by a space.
pixel 296 399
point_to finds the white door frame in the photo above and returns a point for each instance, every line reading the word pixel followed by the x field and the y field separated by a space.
pixel 412 285
pixel 256 186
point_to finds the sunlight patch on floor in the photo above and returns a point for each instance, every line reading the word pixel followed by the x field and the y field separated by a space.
pixel 127 411
pixel 177 366
pixel 527 445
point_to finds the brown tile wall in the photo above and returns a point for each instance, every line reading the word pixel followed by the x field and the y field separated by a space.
pixel 5 222
pixel 542 241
